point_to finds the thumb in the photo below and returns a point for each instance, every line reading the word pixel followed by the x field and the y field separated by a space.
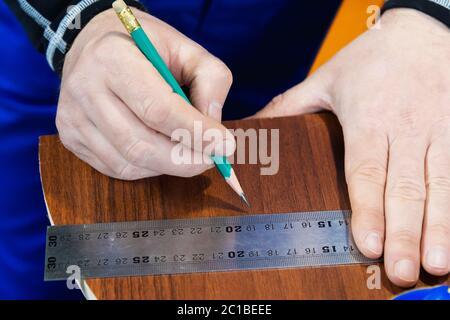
pixel 209 81
pixel 309 96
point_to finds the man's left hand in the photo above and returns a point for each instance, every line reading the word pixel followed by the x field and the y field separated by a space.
pixel 390 90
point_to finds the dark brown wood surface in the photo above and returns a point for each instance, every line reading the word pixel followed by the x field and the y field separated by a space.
pixel 310 177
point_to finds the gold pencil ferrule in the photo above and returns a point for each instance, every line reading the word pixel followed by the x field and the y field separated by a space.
pixel 128 19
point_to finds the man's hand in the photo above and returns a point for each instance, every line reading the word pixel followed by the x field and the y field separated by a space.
pixel 117 113
pixel 390 90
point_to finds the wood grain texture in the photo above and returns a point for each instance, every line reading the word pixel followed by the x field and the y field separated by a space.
pixel 310 178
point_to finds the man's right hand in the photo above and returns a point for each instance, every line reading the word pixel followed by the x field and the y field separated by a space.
pixel 117 113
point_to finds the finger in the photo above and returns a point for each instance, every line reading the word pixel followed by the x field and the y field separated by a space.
pixel 140 145
pixel 209 81
pixel 405 198
pixel 366 177
pixel 83 153
pixel 79 140
pixel 103 152
pixel 145 92
pixel 436 234
pixel 309 96
pixel 71 142
pixel 208 78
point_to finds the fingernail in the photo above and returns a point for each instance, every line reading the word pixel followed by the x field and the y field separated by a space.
pixel 224 148
pixel 215 110
pixel 406 270
pixel 373 243
pixel 437 257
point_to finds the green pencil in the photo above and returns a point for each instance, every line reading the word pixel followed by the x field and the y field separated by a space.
pixel 148 49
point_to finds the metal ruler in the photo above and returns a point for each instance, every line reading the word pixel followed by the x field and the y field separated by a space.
pixel 303 239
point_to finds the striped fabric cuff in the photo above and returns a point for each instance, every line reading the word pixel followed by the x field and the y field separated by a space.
pixel 61 33
pixel 444 3
pixel 438 9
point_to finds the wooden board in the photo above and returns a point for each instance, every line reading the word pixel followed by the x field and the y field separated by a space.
pixel 310 177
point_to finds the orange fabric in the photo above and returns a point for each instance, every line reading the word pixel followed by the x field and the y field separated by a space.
pixel 349 23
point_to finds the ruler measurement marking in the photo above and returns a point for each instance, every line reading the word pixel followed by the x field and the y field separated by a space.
pixel 63 232
pixel 210 221
pixel 287 258
pixel 202 245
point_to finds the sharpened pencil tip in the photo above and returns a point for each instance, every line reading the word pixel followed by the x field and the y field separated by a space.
pixel 234 184
pixel 244 199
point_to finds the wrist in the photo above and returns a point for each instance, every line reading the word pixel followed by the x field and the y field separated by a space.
pixel 412 18
pixel 439 10
pixel 105 26
pixel 82 12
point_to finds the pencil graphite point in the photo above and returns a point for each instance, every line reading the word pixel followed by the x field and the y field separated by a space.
pixel 245 200
pixel 119 5
pixel 233 182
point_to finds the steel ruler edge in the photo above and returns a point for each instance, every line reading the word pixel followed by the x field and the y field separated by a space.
pixel 209 244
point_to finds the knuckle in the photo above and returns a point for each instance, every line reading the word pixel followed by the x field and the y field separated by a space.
pixel 65 120
pixel 102 50
pixel 75 90
pixel 371 126
pixel 277 101
pixel 69 142
pixel 441 128
pixel 65 140
pixel 439 157
pixel 71 85
pixel 371 171
pixel 124 141
pixel 405 236
pixel 127 172
pixel 367 214
pixel 64 126
pixel 439 230
pixel 123 172
pixel 60 122
pixel 439 184
pixel 139 153
pixel 224 72
pixel 130 172
pixel 408 123
pixel 153 113
pixel 407 188
pixel 367 218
